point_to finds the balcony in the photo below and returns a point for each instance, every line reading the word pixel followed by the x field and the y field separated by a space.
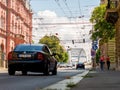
pixel 111 14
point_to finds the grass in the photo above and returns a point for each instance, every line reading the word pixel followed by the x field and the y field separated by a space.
pixel 87 76
pixel 71 84
pixel 51 89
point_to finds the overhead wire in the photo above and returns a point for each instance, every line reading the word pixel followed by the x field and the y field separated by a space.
pixel 79 6
pixel 57 1
pixel 80 11
pixel 68 8
pixel 63 10
pixel 82 16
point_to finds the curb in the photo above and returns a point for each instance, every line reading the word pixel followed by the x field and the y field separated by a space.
pixel 62 85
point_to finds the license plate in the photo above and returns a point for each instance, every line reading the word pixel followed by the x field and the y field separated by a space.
pixel 24 55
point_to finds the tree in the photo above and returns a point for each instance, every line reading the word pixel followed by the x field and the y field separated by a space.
pixel 32 41
pixel 53 43
pixel 102 29
pixel 98 54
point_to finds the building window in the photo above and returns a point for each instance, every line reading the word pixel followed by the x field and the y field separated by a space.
pixel 2 22
pixel 13 26
pixel 13 4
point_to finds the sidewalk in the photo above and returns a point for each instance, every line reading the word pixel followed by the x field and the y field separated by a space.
pixel 2 70
pixel 100 80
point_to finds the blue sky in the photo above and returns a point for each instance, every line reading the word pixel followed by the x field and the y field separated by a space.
pixel 69 8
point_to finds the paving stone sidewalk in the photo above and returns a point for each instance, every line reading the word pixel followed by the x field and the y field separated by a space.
pixel 100 80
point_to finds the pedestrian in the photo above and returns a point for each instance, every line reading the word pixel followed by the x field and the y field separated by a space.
pixel 102 61
pixel 108 62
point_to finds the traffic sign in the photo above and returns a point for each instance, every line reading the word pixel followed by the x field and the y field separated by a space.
pixel 95 45
pixel 93 52
pixel 95 42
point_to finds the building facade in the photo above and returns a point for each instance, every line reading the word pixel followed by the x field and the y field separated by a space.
pixel 103 1
pixel 113 16
pixel 15 25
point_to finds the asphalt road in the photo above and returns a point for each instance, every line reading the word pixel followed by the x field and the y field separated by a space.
pixel 33 81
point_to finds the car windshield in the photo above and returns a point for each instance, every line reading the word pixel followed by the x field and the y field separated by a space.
pixel 81 63
pixel 28 48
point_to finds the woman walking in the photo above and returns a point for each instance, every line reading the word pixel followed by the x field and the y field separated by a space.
pixel 102 61
pixel 108 62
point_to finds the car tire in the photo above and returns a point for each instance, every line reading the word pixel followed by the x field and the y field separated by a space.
pixel 24 72
pixel 11 72
pixel 46 70
pixel 83 67
pixel 54 72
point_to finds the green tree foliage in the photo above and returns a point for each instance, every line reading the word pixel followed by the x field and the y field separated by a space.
pixel 53 43
pixel 98 56
pixel 32 41
pixel 102 29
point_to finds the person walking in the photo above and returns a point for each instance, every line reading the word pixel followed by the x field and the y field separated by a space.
pixel 108 62
pixel 102 61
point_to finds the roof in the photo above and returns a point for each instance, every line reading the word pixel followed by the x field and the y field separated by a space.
pixel 32 45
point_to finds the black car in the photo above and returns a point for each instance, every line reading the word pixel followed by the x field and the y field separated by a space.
pixel 80 65
pixel 33 58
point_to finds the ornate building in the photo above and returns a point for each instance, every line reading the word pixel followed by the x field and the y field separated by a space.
pixel 15 25
pixel 113 16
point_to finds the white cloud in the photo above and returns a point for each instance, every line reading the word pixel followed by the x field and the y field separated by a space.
pixel 65 30
pixel 47 14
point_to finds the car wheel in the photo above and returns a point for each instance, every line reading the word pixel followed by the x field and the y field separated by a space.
pixel 46 70
pixel 24 72
pixel 83 67
pixel 11 72
pixel 54 72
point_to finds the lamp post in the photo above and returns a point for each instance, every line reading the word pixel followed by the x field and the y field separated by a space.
pixel 69 53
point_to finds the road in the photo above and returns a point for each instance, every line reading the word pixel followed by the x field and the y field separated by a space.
pixel 33 81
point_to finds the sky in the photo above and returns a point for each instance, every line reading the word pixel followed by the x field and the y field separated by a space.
pixel 69 8
pixel 64 12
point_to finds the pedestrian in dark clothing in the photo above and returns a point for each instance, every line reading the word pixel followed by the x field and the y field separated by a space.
pixel 102 61
pixel 108 62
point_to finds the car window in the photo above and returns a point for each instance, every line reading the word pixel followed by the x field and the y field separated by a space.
pixel 28 48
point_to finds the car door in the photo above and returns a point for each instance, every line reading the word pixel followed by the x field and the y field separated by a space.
pixel 50 57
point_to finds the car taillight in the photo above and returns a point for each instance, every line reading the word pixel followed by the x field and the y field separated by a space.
pixel 10 55
pixel 40 56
